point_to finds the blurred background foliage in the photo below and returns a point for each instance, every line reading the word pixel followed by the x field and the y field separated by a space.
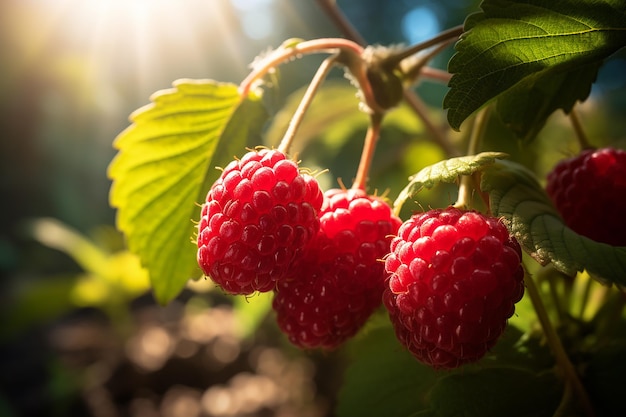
pixel 82 335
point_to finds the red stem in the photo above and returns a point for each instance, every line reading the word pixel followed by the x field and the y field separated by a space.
pixel 369 146
pixel 281 55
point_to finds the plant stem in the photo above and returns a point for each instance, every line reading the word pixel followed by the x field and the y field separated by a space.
pixel 554 293
pixel 578 128
pixel 416 104
pixel 340 21
pixel 419 108
pixel 304 104
pixel 446 37
pixel 555 344
pixel 281 55
pixel 584 298
pixel 371 138
pixel 419 68
pixel 436 74
pixel 466 186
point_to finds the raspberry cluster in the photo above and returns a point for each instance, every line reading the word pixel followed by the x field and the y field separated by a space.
pixel 455 278
pixel 588 190
pixel 340 281
pixel 258 218
pixel 449 279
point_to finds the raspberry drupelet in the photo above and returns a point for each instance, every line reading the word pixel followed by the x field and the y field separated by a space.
pixel 258 218
pixel 339 283
pixel 589 191
pixel 455 277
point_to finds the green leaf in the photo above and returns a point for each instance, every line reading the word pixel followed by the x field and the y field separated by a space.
pixel 516 195
pixel 383 378
pixel 445 171
pixel 604 378
pixel 165 166
pixel 496 392
pixel 525 107
pixel 533 45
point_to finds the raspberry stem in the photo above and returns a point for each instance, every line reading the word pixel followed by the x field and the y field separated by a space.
pixel 417 105
pixel 419 108
pixel 436 74
pixel 340 21
pixel 466 183
pixel 555 344
pixel 369 146
pixel 420 68
pixel 446 37
pixel 309 94
pixel 578 129
pixel 284 54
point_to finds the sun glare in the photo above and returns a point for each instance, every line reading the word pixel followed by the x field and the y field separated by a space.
pixel 150 40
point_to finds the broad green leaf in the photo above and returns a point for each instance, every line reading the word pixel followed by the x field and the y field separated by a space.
pixel 383 378
pixel 516 195
pixel 445 171
pixel 496 392
pixel 533 45
pixel 525 107
pixel 164 168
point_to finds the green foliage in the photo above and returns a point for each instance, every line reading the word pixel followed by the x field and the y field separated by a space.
pixel 330 138
pixel 496 392
pixel 447 170
pixel 605 377
pixel 516 195
pixel 166 165
pixel 250 312
pixel 110 278
pixel 534 56
pixel 531 58
pixel 384 379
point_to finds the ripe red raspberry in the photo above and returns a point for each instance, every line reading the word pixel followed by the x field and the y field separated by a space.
pixel 589 190
pixel 340 281
pixel 455 278
pixel 258 218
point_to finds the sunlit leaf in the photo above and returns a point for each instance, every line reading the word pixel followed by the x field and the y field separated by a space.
pixel 164 168
pixel 532 45
pixel 516 195
pixel 445 171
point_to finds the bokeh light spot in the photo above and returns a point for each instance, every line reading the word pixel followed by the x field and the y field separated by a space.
pixel 420 24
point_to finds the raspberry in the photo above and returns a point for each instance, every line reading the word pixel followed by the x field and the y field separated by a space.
pixel 588 190
pixel 340 281
pixel 455 278
pixel 258 218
